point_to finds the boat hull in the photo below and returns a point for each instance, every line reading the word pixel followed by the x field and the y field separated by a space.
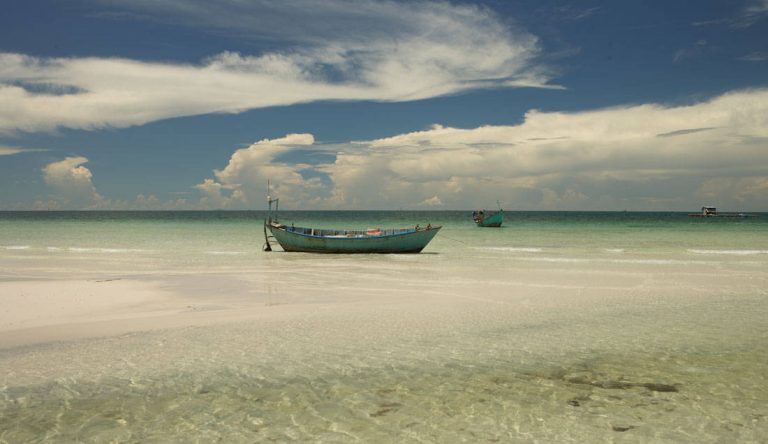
pixel 401 241
pixel 492 220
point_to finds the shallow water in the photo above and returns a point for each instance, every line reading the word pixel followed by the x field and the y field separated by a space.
pixel 558 327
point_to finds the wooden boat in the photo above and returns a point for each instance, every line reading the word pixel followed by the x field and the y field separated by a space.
pixel 373 240
pixel 488 219
pixel 316 240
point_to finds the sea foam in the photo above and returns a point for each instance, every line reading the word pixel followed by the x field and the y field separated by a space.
pixel 514 249
pixel 731 252
pixel 104 250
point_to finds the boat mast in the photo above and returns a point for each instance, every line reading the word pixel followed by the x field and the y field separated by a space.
pixel 269 202
pixel 269 220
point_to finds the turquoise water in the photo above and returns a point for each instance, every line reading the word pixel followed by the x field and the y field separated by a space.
pixel 588 327
pixel 145 240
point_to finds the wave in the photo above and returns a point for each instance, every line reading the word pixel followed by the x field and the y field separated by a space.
pixel 101 250
pixel 558 259
pixel 613 261
pixel 731 252
pixel 614 250
pixel 16 247
pixel 515 249
pixel 656 261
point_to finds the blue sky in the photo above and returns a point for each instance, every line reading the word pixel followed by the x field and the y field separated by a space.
pixel 591 105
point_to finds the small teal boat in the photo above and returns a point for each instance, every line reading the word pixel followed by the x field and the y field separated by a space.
pixel 373 240
pixel 488 219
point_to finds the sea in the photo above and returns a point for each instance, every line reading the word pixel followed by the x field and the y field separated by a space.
pixel 556 327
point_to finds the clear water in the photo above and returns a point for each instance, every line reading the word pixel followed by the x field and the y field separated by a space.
pixel 637 327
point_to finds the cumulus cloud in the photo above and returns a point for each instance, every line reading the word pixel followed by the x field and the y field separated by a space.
pixel 590 154
pixel 243 182
pixel 433 201
pixel 638 157
pixel 71 182
pixel 383 51
pixel 72 188
pixel 642 157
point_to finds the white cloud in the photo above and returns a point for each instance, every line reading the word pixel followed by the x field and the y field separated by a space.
pixel 71 182
pixel 637 157
pixel 243 182
pixel 750 14
pixel 394 52
pixel 757 56
pixel 73 189
pixel 433 201
pixel 10 150
pixel 640 157
pixel 757 8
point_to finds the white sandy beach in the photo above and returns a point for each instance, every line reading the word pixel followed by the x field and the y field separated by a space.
pixel 388 347
pixel 40 311
pixel 534 291
pixel 44 311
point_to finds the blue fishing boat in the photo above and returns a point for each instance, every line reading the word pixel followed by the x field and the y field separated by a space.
pixel 485 218
pixel 372 240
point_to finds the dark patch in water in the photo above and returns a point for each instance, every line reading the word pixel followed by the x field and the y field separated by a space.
pixel 385 408
pixel 660 387
pixel 380 412
pixel 623 385
pixel 622 428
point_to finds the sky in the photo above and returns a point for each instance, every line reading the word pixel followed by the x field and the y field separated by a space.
pixel 355 105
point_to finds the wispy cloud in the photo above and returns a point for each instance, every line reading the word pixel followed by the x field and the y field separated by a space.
pixel 10 150
pixel 572 13
pixel 757 10
pixel 367 50
pixel 696 50
pixel 752 13
pixel 758 56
